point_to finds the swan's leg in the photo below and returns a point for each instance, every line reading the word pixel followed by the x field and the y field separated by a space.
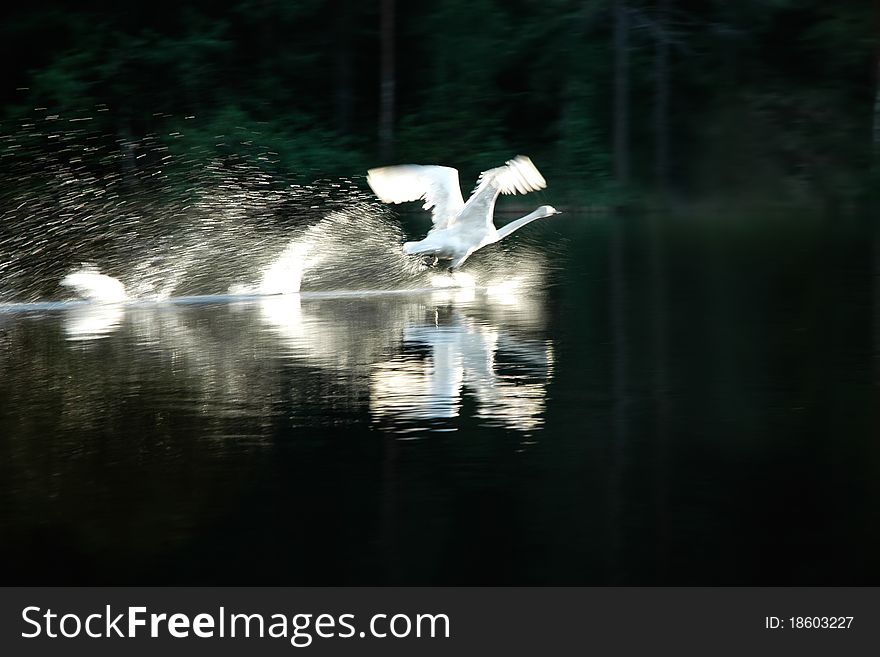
pixel 428 251
pixel 456 263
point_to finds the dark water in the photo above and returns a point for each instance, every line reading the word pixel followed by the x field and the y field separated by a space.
pixel 682 402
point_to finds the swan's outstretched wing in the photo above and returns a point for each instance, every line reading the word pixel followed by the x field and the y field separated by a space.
pixel 517 176
pixel 437 186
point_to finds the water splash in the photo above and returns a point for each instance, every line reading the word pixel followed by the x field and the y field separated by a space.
pixel 91 284
pixel 231 226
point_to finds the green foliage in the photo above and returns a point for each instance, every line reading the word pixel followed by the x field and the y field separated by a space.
pixel 776 95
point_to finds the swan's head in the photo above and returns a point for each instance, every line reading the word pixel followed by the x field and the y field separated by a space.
pixel 546 211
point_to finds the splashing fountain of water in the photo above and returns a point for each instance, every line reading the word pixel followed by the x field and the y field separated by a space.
pixel 231 227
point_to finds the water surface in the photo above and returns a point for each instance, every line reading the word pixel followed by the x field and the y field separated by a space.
pixel 676 402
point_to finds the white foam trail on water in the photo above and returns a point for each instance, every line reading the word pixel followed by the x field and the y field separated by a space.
pixel 282 276
pixel 91 284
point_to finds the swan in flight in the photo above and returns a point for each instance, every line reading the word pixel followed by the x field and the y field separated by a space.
pixel 459 228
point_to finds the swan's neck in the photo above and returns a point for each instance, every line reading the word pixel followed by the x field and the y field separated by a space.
pixel 507 229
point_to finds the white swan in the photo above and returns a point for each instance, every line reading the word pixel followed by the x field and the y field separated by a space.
pixel 459 228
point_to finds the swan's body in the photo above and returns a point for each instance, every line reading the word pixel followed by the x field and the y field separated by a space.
pixel 459 228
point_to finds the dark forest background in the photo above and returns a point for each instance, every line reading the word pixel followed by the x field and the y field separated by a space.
pixel 774 100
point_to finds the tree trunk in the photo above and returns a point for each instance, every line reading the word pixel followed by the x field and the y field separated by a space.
pixel 877 118
pixel 343 96
pixel 874 201
pixel 661 98
pixel 621 93
pixel 386 88
pixel 573 101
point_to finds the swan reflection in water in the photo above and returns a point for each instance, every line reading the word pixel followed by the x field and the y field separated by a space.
pixel 456 355
pixel 444 345
pixel 412 359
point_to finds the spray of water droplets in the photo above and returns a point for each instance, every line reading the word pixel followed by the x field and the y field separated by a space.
pixel 80 210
